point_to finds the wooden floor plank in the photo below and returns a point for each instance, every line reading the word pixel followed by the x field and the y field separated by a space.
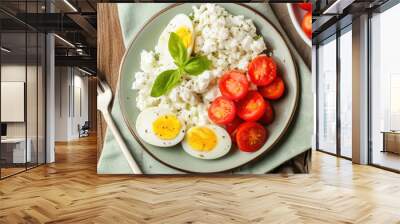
pixel 70 191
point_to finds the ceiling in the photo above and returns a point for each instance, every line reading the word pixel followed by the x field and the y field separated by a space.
pixel 16 42
pixel 57 5
pixel 74 22
pixel 332 15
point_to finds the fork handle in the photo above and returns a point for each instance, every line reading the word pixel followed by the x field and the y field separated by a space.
pixel 117 135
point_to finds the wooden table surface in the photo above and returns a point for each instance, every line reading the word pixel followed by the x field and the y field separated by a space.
pixel 110 49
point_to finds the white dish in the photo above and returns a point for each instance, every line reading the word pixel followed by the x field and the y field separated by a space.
pixel 296 15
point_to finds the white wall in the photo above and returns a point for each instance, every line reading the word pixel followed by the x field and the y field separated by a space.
pixel 70 83
pixel 16 73
pixel 61 103
pixel 80 84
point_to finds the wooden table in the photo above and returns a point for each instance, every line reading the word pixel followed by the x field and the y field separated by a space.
pixel 110 50
pixel 391 141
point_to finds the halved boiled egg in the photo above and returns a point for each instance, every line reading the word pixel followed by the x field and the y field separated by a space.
pixel 183 27
pixel 207 142
pixel 160 127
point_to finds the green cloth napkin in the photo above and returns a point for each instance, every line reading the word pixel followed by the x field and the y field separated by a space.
pixel 297 140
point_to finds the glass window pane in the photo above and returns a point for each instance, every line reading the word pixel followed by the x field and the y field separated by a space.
pixel 41 98
pixel 31 88
pixel 385 84
pixel 23 83
pixel 13 86
pixel 346 94
pixel 327 96
pixel 31 97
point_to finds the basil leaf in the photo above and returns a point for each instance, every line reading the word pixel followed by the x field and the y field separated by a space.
pixel 174 80
pixel 197 65
pixel 177 49
pixel 164 82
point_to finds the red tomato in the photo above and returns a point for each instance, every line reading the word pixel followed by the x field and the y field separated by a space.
pixel 269 115
pixel 233 85
pixel 274 90
pixel 306 24
pixel 222 110
pixel 251 136
pixel 305 6
pixel 262 70
pixel 252 107
pixel 231 128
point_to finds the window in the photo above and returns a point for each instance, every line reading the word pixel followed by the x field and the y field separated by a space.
pixel 346 93
pixel 327 96
pixel 385 89
pixel 22 78
pixel 394 102
pixel 334 100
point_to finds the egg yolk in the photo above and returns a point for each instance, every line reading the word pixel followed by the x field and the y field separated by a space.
pixel 167 127
pixel 185 35
pixel 201 139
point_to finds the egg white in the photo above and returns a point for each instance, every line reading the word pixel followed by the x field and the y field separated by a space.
pixel 180 20
pixel 222 147
pixel 144 127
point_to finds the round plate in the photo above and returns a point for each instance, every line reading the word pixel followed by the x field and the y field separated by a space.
pixel 175 157
pixel 296 15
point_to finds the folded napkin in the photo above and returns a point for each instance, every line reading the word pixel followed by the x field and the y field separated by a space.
pixel 297 139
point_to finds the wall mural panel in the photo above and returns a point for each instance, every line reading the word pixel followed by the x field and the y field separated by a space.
pixel 205 88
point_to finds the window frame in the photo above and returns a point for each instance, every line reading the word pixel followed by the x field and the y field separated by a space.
pixel 381 9
pixel 337 35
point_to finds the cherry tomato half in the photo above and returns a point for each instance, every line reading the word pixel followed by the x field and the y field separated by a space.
pixel 305 6
pixel 306 24
pixel 252 107
pixel 251 136
pixel 269 114
pixel 222 110
pixel 262 70
pixel 233 85
pixel 231 128
pixel 274 90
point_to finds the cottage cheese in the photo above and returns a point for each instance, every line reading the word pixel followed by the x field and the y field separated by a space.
pixel 229 41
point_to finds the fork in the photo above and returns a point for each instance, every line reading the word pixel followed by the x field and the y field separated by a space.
pixel 104 98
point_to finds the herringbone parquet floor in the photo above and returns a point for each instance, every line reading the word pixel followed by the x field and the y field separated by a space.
pixel 70 191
